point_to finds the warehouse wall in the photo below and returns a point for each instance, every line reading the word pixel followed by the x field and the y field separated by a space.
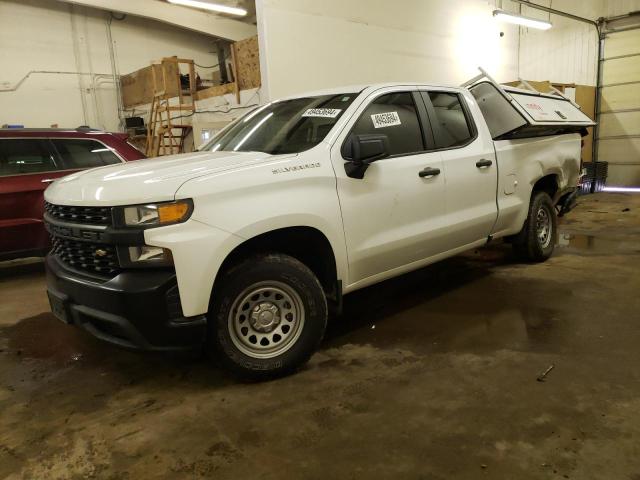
pixel 307 44
pixel 566 53
pixel 48 35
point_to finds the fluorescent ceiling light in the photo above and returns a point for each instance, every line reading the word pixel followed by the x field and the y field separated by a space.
pixel 520 20
pixel 622 189
pixel 216 7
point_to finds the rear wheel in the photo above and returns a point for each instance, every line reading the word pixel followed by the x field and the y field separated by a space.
pixel 536 241
pixel 268 317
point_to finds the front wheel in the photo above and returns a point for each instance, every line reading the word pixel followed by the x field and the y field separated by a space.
pixel 537 239
pixel 268 317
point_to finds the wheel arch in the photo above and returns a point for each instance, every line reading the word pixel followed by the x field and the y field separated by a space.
pixel 307 244
pixel 549 183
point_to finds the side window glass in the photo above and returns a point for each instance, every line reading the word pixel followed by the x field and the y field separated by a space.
pixel 22 156
pixel 394 115
pixel 454 129
pixel 77 153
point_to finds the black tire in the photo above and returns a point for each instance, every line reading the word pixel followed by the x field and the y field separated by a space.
pixel 530 244
pixel 289 296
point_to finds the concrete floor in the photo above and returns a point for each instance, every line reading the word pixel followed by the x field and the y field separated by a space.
pixel 428 376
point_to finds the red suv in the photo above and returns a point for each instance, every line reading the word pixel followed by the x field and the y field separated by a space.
pixel 30 159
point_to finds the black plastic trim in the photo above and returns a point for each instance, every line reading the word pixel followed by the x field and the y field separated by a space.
pixel 129 310
pixel 539 131
pixel 93 233
pixel 428 138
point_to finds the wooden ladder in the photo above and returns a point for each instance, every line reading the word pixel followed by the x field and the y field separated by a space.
pixel 166 132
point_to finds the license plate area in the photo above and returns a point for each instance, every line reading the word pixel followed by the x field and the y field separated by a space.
pixel 58 304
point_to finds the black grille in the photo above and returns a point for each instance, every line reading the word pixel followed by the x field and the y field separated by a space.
pixel 84 215
pixel 92 257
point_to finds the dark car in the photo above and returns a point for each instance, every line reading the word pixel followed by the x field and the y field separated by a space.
pixel 30 159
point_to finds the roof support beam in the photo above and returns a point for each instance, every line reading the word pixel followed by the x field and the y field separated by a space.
pixel 184 17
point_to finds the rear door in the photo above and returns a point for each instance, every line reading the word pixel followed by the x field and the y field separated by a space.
pixel 27 166
pixel 470 168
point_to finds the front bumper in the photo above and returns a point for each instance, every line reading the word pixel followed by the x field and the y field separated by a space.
pixel 137 309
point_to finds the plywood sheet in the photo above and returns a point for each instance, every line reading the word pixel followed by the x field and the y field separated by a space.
pixel 216 91
pixel 247 58
pixel 137 87
pixel 586 98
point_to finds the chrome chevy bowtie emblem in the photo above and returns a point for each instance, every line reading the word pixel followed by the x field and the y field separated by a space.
pixel 100 252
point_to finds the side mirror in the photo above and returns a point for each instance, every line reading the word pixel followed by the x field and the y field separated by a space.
pixel 362 150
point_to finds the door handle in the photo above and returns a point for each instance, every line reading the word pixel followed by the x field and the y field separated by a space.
pixel 429 172
pixel 483 163
pixel 48 180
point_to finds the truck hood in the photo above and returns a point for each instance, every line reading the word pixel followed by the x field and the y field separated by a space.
pixel 150 180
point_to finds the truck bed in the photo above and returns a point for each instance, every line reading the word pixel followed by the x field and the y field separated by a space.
pixel 532 158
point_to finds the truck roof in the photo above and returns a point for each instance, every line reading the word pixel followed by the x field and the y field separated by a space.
pixel 371 86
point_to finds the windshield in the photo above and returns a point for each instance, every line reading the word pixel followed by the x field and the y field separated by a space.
pixel 288 126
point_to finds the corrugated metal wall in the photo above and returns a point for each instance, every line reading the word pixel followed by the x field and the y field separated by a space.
pixel 567 52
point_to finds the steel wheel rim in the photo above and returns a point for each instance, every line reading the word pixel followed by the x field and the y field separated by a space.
pixel 266 319
pixel 543 227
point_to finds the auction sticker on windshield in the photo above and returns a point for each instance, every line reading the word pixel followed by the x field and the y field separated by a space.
pixel 322 112
pixel 388 119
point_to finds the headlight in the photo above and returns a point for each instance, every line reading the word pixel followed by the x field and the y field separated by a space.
pixel 157 214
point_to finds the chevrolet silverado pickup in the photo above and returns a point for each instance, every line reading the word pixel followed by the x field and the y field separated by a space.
pixel 245 246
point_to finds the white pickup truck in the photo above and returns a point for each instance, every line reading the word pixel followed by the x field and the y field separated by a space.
pixel 245 245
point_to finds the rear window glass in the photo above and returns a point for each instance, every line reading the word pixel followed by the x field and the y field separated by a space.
pixel 23 156
pixel 79 153
pixel 453 125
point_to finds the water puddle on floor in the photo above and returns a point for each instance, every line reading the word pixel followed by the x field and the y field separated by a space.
pixel 44 337
pixel 596 244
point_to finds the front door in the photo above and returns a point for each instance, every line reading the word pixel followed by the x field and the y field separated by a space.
pixel 394 215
